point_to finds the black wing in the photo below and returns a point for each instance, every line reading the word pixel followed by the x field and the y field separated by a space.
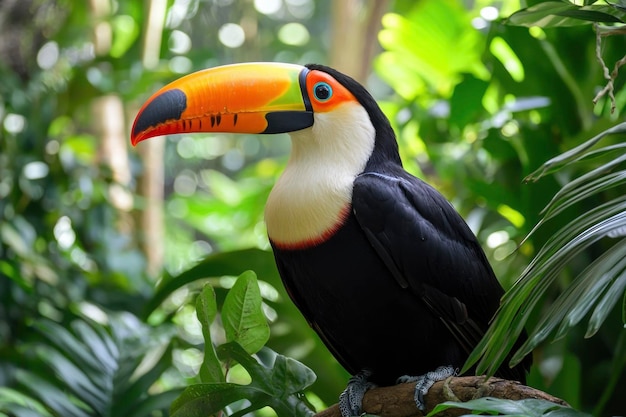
pixel 431 252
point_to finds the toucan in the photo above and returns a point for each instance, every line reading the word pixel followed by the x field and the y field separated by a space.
pixel 380 264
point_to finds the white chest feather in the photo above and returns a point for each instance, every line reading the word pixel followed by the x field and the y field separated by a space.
pixel 313 195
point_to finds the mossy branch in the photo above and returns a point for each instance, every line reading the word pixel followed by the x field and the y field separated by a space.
pixel 397 400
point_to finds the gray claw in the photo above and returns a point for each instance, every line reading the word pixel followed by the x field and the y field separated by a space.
pixel 351 399
pixel 424 382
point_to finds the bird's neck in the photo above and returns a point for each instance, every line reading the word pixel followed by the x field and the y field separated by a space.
pixel 312 198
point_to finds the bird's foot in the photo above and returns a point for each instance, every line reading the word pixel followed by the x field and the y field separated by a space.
pixel 351 399
pixel 424 382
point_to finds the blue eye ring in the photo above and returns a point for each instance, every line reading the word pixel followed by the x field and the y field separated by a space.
pixel 322 91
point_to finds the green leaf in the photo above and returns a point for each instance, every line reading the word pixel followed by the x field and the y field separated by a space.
pixel 216 265
pixel 11 271
pixel 201 400
pixel 604 276
pixel 92 391
pixel 74 348
pixel 233 351
pixel 50 395
pixel 282 378
pixel 575 302
pixel 276 382
pixel 587 185
pixel 98 345
pixel 466 100
pixel 81 146
pixel 20 411
pixel 242 314
pixel 422 51
pixel 132 400
pixel 287 372
pixel 624 310
pixel 557 162
pixel 125 32
pixel 526 408
pixel 206 310
pixel 21 405
pixel 206 306
pixel 606 304
pixel 559 14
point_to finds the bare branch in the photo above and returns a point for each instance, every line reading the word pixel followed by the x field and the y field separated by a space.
pixel 610 77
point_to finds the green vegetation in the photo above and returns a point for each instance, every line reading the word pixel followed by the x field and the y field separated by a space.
pixel 110 282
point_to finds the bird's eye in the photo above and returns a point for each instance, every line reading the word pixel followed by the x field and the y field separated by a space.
pixel 322 91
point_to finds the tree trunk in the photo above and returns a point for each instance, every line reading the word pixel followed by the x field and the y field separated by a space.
pixel 152 154
pixel 109 125
pixel 355 27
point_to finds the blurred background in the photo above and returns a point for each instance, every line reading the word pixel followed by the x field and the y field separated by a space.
pixel 90 227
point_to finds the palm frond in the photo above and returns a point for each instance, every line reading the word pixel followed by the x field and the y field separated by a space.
pixel 598 288
pixel 91 369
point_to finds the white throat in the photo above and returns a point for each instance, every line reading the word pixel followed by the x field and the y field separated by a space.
pixel 313 195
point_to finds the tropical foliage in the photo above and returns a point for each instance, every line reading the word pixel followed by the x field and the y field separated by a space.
pixel 512 110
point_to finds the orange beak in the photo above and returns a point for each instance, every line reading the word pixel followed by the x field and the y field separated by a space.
pixel 240 98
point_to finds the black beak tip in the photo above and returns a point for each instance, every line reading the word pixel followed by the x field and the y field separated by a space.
pixel 168 105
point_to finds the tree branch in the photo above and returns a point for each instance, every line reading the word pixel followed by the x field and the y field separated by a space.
pixel 397 400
